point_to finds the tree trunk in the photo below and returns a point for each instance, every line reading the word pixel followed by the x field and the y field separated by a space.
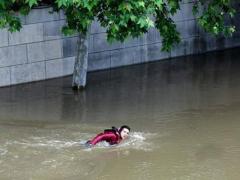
pixel 81 63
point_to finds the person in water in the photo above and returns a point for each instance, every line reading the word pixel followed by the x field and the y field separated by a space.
pixel 112 136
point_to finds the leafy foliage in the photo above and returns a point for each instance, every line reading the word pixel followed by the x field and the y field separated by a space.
pixel 124 18
pixel 214 15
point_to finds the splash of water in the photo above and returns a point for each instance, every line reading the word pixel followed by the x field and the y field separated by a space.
pixel 3 151
pixel 136 140
pixel 139 141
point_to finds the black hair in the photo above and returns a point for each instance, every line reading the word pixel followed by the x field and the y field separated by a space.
pixel 116 130
pixel 124 126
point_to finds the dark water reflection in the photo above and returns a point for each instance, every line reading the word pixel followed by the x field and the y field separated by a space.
pixel 186 112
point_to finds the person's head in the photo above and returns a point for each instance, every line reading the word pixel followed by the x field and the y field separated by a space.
pixel 124 131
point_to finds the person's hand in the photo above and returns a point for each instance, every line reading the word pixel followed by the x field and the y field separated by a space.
pixel 88 144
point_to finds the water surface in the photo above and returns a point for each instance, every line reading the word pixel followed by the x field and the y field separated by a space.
pixel 184 115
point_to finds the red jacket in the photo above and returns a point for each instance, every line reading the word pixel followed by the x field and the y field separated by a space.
pixel 112 137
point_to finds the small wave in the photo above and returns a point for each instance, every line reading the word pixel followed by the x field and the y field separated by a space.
pixel 43 142
pixel 3 151
pixel 136 140
pixel 99 145
pixel 139 141
pixel 49 143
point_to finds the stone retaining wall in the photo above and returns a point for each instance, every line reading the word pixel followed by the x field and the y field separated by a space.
pixel 39 51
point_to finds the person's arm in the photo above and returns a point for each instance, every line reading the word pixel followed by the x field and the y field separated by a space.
pixel 102 137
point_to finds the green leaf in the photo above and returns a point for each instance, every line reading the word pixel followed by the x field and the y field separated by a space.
pixel 159 3
pixel 32 2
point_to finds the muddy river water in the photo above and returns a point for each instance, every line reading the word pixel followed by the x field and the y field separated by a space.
pixel 184 114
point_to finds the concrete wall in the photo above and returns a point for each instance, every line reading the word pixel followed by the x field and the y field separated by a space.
pixel 39 51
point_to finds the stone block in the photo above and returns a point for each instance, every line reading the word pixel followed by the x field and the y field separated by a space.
pixel 38 71
pixel 68 65
pixel 143 53
pixel 220 43
pixel 192 45
pixel 139 54
pixel 21 74
pixel 154 52
pixel 22 19
pixel 210 43
pixel 99 61
pixel 28 34
pixel 150 36
pixel 115 45
pixel 3 37
pixel 54 68
pixel 186 47
pixel 36 52
pixel 69 47
pixel 232 42
pixel 135 54
pixel 53 29
pixel 187 29
pixel 185 13
pixel 13 55
pixel 28 72
pixel 186 1
pixel 97 28
pixel 53 49
pixel 5 76
pixel 193 28
pixel 178 16
pixel 153 36
pixel 121 57
pixel 41 15
pixel 202 45
pixel 158 37
pixel 59 67
pixel 186 10
pixel 90 44
pixel 179 49
pixel 62 15
pixel 130 42
pixel 100 43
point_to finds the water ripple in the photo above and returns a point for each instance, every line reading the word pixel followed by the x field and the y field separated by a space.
pixel 3 151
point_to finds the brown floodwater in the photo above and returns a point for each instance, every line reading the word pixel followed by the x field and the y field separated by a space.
pixel 184 114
